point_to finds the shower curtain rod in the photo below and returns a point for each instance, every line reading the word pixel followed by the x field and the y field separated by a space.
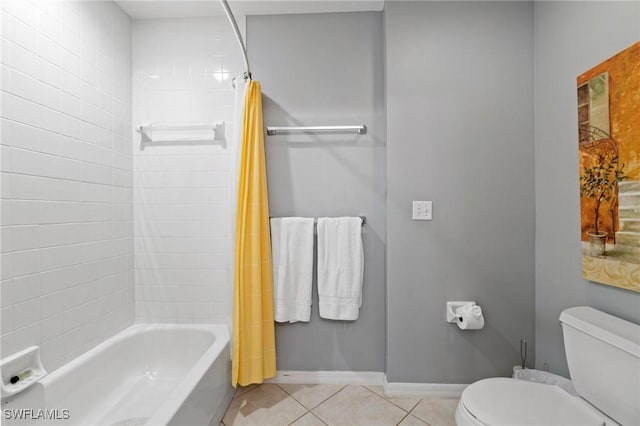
pixel 234 24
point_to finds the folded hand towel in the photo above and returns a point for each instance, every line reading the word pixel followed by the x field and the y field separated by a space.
pixel 292 254
pixel 340 267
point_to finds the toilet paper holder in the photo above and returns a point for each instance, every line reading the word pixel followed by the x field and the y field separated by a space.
pixel 452 307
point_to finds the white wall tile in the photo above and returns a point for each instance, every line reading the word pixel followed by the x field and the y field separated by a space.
pixel 23 136
pixel 26 287
pixel 52 304
pixel 190 261
pixel 20 32
pixel 48 49
pixel 25 237
pixel 199 229
pixel 5 239
pixel 23 60
pixel 25 11
pixel 185 163
pixel 25 262
pixel 6 316
pixel 49 72
pixel 68 195
pixel 48 25
pixel 52 350
pixel 6 266
pixel 6 345
pixel 25 212
pixel 26 313
pixel 181 196
pixel 5 185
pixel 51 328
pixel 73 225
pixel 23 85
pixel 19 109
pixel 6 293
pixel 26 336
pixel 181 192
pixel 49 96
pixel 193 212
pixel 186 179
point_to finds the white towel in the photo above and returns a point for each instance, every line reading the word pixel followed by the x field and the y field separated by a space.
pixel 340 267
pixel 292 255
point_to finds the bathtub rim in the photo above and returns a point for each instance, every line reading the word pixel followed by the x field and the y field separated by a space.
pixel 221 334
pixel 177 397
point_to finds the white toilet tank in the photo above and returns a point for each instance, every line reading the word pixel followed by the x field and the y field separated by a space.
pixel 603 353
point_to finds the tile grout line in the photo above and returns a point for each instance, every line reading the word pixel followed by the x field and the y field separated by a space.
pixel 412 408
pixel 307 411
pixel 298 418
pixel 318 405
pixel 380 397
pixel 328 398
pixel 391 402
pixel 384 397
pixel 319 419
pixel 334 394
pixel 402 419
pixel 420 418
pixel 315 406
pixel 292 397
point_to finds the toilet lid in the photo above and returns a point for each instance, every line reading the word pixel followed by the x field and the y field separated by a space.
pixel 509 402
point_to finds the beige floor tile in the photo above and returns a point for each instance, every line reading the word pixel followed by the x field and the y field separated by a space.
pixel 244 389
pixel 377 389
pixel 311 395
pixel 412 421
pixel 308 419
pixel 355 405
pixel 437 411
pixel 266 405
pixel 406 404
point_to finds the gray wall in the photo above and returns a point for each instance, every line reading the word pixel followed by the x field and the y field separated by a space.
pixel 459 85
pixel 322 70
pixel 571 37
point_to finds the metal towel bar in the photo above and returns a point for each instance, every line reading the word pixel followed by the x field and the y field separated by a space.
pixel 364 220
pixel 275 130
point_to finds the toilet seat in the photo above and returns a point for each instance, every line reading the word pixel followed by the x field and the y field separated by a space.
pixel 508 402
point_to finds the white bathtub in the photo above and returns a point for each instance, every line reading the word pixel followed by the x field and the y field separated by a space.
pixel 146 375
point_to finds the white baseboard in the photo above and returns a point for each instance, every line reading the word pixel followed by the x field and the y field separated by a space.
pixel 441 390
pixel 329 377
pixel 438 390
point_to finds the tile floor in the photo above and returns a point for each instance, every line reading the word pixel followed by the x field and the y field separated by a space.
pixel 334 405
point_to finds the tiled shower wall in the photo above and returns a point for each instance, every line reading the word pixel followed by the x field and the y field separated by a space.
pixel 67 233
pixel 182 70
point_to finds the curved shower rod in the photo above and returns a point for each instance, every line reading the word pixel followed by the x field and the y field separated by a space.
pixel 234 24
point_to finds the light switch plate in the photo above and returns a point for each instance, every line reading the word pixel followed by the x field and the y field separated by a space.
pixel 422 210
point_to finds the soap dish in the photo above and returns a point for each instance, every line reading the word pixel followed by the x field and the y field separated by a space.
pixel 25 363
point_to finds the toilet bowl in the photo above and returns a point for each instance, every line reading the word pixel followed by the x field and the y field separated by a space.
pixel 603 354
pixel 510 402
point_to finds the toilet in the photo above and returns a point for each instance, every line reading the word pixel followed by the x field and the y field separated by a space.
pixel 603 354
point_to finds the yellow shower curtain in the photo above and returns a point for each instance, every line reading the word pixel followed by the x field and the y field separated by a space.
pixel 254 350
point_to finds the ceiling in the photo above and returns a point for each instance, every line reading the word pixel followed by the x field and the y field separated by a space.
pixel 160 9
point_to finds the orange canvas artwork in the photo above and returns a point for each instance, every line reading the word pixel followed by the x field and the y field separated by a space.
pixel 609 146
